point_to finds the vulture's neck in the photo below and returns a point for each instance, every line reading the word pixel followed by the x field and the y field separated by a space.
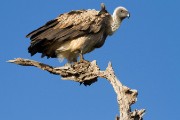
pixel 116 22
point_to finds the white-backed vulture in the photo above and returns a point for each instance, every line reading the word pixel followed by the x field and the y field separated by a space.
pixel 75 33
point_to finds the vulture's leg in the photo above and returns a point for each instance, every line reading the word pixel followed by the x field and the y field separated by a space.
pixel 81 56
pixel 70 62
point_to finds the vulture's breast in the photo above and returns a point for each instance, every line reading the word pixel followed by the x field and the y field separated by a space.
pixel 85 44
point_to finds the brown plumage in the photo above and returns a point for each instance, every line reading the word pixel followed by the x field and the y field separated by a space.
pixel 74 33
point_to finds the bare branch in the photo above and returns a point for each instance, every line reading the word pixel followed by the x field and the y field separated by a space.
pixel 86 73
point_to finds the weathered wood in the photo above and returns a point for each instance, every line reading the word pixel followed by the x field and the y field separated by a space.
pixel 86 73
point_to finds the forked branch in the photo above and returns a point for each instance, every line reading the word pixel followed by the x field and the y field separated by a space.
pixel 86 73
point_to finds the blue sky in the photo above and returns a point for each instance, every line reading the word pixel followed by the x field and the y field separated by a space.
pixel 144 53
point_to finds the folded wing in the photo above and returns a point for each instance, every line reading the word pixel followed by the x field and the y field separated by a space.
pixel 68 26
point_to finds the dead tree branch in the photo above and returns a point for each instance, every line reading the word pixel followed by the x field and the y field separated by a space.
pixel 86 73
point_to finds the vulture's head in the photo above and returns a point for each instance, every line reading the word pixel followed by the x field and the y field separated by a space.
pixel 121 13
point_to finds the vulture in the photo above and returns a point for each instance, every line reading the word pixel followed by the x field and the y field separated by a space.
pixel 73 34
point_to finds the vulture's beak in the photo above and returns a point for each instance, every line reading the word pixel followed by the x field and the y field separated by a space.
pixel 128 15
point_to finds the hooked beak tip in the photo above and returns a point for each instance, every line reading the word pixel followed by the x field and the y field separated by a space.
pixel 128 15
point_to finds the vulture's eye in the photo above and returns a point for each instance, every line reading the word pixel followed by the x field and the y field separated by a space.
pixel 122 11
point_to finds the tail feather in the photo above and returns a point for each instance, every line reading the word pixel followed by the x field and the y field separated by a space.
pixel 43 46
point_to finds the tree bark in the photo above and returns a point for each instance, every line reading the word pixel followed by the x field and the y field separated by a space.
pixel 86 73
